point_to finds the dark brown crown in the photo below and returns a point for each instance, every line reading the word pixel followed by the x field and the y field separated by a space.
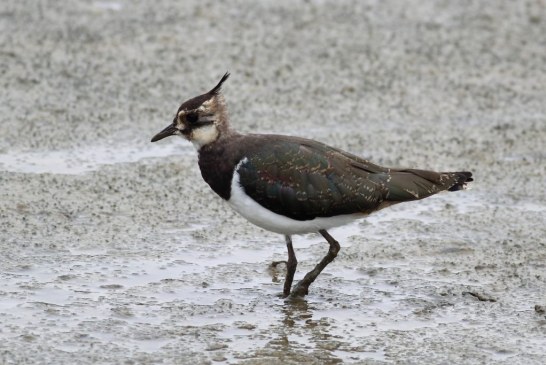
pixel 196 102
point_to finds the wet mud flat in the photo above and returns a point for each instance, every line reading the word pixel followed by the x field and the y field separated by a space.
pixel 113 250
pixel 190 282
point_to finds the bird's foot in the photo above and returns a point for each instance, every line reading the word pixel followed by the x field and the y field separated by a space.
pixel 300 290
pixel 274 270
pixel 276 263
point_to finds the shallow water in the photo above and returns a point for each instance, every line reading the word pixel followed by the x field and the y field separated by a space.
pixel 89 158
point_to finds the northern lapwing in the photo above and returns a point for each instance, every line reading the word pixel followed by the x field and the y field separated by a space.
pixel 291 185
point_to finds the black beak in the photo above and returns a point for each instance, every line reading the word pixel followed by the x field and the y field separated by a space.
pixel 169 131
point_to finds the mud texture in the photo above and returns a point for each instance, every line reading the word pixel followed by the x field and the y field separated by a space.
pixel 113 250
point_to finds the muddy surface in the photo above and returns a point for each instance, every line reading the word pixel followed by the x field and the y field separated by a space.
pixel 113 250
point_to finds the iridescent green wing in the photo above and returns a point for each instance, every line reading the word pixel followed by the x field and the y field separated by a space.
pixel 303 179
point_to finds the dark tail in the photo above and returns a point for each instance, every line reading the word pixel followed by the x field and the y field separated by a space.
pixel 463 177
pixel 412 184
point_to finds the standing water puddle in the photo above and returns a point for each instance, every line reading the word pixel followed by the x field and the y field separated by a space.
pixel 86 159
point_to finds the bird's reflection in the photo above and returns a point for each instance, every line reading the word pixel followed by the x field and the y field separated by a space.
pixel 296 310
pixel 298 337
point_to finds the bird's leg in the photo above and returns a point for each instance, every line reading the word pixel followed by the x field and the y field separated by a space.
pixel 291 265
pixel 302 287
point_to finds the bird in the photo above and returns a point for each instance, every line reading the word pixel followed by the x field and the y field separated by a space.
pixel 292 185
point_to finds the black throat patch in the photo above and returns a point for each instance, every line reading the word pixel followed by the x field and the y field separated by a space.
pixel 217 161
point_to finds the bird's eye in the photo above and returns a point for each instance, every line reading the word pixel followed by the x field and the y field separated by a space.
pixel 192 118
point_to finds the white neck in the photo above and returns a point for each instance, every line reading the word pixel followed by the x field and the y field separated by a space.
pixel 204 135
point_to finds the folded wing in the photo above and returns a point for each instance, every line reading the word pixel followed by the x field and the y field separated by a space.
pixel 304 179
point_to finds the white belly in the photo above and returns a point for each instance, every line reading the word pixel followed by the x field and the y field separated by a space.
pixel 266 219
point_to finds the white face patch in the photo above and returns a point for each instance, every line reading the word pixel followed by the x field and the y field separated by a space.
pixel 180 120
pixel 204 135
pixel 200 125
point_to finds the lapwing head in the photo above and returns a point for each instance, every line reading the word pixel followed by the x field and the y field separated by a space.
pixel 201 120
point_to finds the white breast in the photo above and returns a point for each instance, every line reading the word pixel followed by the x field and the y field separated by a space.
pixel 266 219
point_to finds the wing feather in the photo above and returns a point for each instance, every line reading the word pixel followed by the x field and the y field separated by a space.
pixel 305 179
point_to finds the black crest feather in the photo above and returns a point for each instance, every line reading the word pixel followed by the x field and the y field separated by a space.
pixel 218 87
